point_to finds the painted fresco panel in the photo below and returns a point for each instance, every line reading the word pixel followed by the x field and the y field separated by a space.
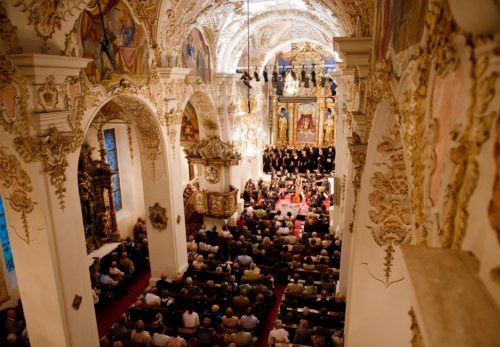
pixel 190 130
pixel 127 48
pixel 448 104
pixel 401 25
pixel 196 55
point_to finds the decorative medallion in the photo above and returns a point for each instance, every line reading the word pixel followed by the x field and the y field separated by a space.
pixel 212 174
pixel 158 217
pixel 48 96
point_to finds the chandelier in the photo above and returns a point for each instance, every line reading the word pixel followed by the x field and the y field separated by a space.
pixel 248 133
pixel 247 130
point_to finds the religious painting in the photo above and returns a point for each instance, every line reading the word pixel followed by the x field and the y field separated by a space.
pixel 306 125
pixel 190 130
pixel 283 124
pixel 196 55
pixel 118 46
pixel 400 25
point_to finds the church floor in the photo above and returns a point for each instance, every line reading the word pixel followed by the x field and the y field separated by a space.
pixel 108 314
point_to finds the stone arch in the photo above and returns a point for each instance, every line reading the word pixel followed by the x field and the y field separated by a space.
pixel 383 223
pixel 206 112
pixel 158 186
pixel 140 157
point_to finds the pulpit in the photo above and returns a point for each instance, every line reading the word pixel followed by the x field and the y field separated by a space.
pixel 215 198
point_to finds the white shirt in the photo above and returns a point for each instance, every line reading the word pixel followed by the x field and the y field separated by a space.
pixel 190 320
pixel 152 299
pixel 161 339
pixel 105 279
pixel 283 231
pixel 278 336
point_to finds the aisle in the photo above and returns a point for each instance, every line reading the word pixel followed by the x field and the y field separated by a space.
pixel 271 316
pixel 108 314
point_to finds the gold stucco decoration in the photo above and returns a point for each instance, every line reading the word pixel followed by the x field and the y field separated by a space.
pixel 8 34
pixel 390 200
pixel 47 94
pixel 416 338
pixel 158 217
pixel 212 174
pixel 47 15
pixel 15 179
pixel 52 150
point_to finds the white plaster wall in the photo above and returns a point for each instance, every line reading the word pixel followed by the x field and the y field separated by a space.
pixel 184 167
pixel 130 176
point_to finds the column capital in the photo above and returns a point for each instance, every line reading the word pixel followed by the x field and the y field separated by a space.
pixel 173 73
pixel 355 51
pixel 36 68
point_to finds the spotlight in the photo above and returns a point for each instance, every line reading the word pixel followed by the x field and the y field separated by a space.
pixel 247 83
pixel 294 76
pixel 283 73
pixel 303 74
pixel 247 75
pixel 323 82
pixel 256 75
pixel 275 75
pixel 313 76
pixel 264 73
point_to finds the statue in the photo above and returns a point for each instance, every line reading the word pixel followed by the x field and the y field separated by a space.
pixel 329 127
pixel 283 125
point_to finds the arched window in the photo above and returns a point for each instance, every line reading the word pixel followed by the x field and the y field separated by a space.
pixel 4 237
pixel 112 159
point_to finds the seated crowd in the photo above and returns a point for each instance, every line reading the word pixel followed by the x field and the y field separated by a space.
pixel 110 275
pixel 224 297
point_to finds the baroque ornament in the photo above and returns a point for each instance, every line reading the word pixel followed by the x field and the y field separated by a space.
pixel 158 217
pixel 47 15
pixel 212 174
pixel 15 179
pixel 52 150
pixel 8 34
pixel 390 200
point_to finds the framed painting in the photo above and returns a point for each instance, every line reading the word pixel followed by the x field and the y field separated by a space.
pixel 306 124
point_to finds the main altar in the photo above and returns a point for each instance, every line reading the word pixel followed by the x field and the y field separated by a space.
pixel 303 110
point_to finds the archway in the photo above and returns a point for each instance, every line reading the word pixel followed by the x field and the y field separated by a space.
pixel 130 145
pixel 382 224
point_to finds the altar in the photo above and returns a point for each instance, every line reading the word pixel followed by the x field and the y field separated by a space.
pixel 303 108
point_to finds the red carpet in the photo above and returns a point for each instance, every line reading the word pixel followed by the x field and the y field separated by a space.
pixel 271 317
pixel 108 314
